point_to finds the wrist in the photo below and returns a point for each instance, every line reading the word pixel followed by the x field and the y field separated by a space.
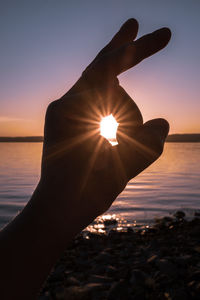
pixel 58 213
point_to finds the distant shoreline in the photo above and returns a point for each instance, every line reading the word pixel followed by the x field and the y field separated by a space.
pixel 172 138
pixel 184 138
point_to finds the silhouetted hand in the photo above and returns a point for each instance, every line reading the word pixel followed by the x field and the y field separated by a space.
pixel 82 173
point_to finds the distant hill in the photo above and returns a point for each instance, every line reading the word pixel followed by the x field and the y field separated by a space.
pixel 184 138
pixel 172 138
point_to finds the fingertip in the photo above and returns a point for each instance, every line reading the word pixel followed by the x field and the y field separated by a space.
pixel 163 29
pixel 160 125
pixel 167 30
pixel 163 34
pixel 164 125
pixel 131 22
pixel 131 25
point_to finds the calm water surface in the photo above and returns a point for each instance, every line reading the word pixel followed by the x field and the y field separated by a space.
pixel 171 183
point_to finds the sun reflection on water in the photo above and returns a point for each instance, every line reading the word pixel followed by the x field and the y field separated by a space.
pixel 112 222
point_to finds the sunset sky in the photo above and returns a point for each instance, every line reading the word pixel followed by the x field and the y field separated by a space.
pixel 46 44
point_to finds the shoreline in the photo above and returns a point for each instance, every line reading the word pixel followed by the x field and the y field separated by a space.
pixel 158 262
pixel 171 138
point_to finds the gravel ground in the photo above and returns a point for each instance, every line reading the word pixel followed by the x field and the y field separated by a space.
pixel 160 262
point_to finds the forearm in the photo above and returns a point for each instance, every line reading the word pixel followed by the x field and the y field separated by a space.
pixel 30 246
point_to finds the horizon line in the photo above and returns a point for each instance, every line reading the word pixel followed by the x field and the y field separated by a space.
pixel 42 136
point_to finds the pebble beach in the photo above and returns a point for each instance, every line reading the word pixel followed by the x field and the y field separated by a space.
pixel 129 262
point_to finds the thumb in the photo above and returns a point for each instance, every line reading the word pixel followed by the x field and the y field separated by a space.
pixel 142 149
pixel 152 135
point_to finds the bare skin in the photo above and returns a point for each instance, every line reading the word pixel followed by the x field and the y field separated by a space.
pixel 82 174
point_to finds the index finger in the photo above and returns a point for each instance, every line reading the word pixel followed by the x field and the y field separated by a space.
pixel 130 54
pixel 127 33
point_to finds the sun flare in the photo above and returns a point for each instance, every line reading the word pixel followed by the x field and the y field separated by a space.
pixel 108 129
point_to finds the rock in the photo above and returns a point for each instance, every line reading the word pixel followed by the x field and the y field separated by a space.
pixel 57 274
pixel 46 296
pixel 180 293
pixel 114 236
pixel 122 272
pixel 137 277
pixel 119 290
pixel 76 293
pixel 59 293
pixel 179 215
pixel 110 222
pixel 166 251
pixel 198 287
pixel 166 267
pixel 139 295
pixel 197 249
pixel 163 222
pixel 152 230
pixel 110 270
pixel 130 230
pixel 103 257
pixel 100 279
pixel 86 292
pixel 191 283
pixel 68 272
pixel 183 260
pixel 98 269
pixel 70 281
pixel 152 258
pixel 197 213
pixel 167 219
pixel 60 269
pixel 150 283
pixel 167 296
pixel 195 276
pixel 93 286
pixel 56 277
pixel 82 262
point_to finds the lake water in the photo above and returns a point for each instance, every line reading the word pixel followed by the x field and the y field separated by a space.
pixel 171 183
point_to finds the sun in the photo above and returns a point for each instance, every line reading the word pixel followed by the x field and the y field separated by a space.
pixel 108 129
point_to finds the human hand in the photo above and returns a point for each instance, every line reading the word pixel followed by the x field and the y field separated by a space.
pixel 82 173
